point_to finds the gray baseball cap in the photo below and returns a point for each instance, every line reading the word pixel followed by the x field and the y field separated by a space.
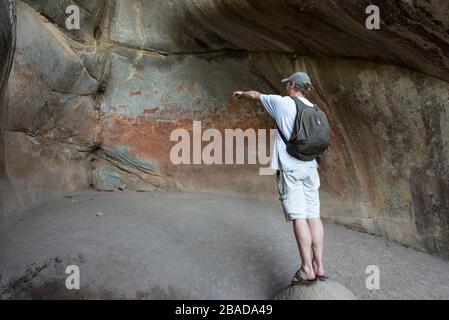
pixel 300 78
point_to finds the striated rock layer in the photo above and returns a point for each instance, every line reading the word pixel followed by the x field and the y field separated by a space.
pixel 95 107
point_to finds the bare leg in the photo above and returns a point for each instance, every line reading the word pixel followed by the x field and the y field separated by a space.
pixel 317 234
pixel 304 241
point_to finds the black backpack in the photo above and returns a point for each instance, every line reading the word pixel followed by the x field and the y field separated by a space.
pixel 311 132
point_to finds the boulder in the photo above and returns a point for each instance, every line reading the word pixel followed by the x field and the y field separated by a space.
pixel 318 290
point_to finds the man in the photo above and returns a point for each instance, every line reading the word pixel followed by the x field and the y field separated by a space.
pixel 298 181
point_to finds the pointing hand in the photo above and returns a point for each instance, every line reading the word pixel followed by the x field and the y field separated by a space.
pixel 237 94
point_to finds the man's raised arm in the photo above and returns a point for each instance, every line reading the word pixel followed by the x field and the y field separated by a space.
pixel 249 95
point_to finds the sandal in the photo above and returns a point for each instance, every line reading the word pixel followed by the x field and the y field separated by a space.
pixel 297 279
pixel 322 278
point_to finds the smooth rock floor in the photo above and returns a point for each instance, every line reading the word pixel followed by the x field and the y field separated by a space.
pixel 192 246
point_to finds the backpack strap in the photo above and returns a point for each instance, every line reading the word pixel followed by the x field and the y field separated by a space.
pixel 300 107
pixel 282 135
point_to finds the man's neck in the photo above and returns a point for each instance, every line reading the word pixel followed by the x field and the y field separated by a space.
pixel 299 95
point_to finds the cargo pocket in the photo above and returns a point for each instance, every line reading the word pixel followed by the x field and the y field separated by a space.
pixel 283 195
pixel 281 186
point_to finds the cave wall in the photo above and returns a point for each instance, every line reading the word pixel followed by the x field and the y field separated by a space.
pixel 50 117
pixel 7 41
pixel 95 107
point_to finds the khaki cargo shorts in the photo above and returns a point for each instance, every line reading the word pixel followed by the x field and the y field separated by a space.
pixel 299 193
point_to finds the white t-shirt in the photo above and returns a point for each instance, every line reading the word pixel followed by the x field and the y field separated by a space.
pixel 283 110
